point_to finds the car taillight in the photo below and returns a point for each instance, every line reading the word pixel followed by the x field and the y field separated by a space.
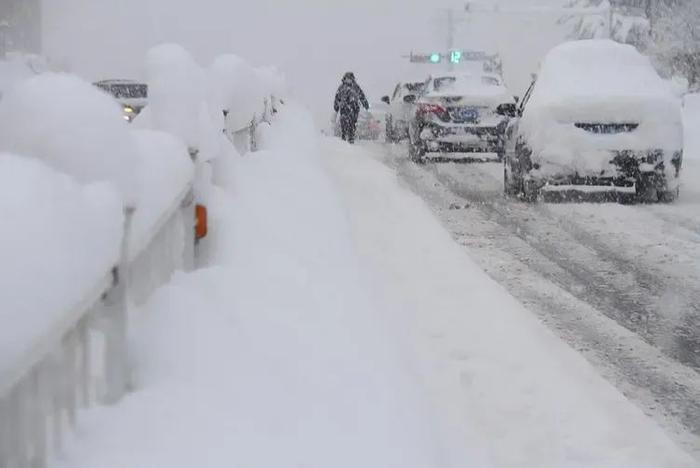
pixel 424 109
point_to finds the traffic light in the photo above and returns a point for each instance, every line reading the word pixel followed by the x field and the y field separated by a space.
pixel 435 58
pixel 456 56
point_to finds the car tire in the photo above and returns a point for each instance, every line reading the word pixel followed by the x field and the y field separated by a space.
pixel 510 188
pixel 669 196
pixel 646 190
pixel 389 137
pixel 416 152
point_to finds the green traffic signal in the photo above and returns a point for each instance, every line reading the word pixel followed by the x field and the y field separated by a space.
pixel 435 58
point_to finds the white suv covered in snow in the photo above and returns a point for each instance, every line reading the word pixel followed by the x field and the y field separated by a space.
pixel 598 117
pixel 458 115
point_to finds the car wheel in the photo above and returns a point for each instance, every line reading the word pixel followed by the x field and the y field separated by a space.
pixel 646 190
pixel 389 137
pixel 669 196
pixel 416 152
pixel 513 185
pixel 530 192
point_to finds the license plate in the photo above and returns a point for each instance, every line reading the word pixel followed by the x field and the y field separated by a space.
pixel 467 114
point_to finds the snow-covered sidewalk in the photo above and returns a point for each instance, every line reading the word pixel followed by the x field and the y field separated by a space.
pixel 340 326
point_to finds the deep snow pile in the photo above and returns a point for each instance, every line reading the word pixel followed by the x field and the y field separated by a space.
pixel 341 326
pixel 275 356
pixel 58 240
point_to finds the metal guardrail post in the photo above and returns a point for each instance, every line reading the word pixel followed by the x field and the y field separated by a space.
pixel 116 305
pixel 253 134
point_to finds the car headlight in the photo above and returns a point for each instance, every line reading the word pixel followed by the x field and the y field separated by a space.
pixel 128 110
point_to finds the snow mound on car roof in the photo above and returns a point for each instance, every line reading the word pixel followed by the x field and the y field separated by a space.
pixel 602 72
pixel 483 90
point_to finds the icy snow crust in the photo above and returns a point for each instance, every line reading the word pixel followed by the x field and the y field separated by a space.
pixel 340 325
pixel 598 81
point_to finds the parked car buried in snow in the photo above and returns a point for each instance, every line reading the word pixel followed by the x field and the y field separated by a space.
pixel 370 124
pixel 131 95
pixel 458 115
pixel 400 109
pixel 598 117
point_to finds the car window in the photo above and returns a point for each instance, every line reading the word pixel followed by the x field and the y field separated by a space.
pixel 440 84
pixel 414 87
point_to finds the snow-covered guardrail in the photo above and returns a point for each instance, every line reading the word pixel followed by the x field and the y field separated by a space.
pixel 83 358
pixel 70 359
pixel 245 139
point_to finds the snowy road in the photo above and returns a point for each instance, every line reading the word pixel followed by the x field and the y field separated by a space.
pixel 618 283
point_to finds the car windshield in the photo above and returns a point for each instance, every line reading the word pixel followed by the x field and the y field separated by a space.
pixel 414 87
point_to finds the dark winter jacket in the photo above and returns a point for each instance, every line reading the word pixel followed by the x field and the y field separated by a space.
pixel 349 98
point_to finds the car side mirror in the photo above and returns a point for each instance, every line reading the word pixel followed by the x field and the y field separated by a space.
pixel 507 110
pixel 517 99
pixel 410 99
pixel 386 100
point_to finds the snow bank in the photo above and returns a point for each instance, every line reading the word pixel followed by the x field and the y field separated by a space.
pixel 58 239
pixel 275 357
pixel 73 127
pixel 498 378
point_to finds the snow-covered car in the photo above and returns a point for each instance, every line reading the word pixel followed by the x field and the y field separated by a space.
pixel 457 115
pixel 131 95
pixel 598 117
pixel 400 109
pixel 370 124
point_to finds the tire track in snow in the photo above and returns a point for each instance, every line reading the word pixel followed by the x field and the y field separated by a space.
pixel 582 303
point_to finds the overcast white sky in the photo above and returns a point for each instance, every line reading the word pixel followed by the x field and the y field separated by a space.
pixel 312 41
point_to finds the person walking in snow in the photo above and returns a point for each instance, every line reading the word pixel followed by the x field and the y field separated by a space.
pixel 347 103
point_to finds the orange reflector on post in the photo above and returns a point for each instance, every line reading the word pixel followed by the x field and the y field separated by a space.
pixel 201 228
